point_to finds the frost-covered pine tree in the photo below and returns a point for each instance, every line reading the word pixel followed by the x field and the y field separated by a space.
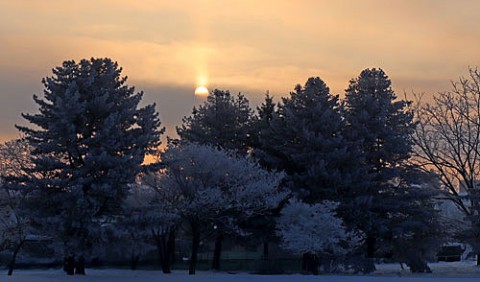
pixel 382 128
pixel 382 125
pixel 217 189
pixel 223 121
pixel 89 137
pixel 303 137
pixel 261 229
pixel 313 230
pixel 414 229
pixel 305 140
pixel 263 135
pixel 266 111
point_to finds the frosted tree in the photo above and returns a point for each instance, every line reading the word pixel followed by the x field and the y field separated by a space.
pixel 14 225
pixel 447 141
pixel 89 137
pixel 382 124
pixel 150 220
pixel 262 141
pixel 129 233
pixel 304 138
pixel 313 230
pixel 223 121
pixel 217 188
pixel 414 231
pixel 159 208
pixel 382 129
pixel 266 111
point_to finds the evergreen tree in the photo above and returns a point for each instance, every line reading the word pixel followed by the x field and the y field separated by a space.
pixel 303 137
pixel 305 140
pixel 414 233
pixel 261 227
pixel 222 121
pixel 381 125
pixel 382 129
pixel 263 136
pixel 89 138
pixel 266 111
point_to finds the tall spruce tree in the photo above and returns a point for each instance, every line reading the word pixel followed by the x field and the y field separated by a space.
pixel 305 139
pixel 414 232
pixel 262 140
pixel 261 123
pixel 382 125
pixel 262 228
pixel 223 121
pixel 89 138
pixel 382 128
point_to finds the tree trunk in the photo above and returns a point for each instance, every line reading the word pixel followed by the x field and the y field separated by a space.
pixel 417 264
pixel 80 266
pixel 370 246
pixel 304 262
pixel 478 259
pixel 265 250
pixel 195 245
pixel 69 264
pixel 134 258
pixel 11 265
pixel 171 246
pixel 170 255
pixel 161 250
pixel 166 266
pixel 217 252
pixel 310 263
pixel 165 248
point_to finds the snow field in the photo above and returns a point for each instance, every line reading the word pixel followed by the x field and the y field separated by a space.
pixel 442 272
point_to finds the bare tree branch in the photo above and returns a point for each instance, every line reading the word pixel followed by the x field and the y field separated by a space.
pixel 447 140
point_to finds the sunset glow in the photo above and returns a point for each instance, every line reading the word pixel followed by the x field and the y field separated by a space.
pixel 168 47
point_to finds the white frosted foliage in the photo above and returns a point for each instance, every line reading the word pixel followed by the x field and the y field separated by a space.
pixel 212 181
pixel 314 229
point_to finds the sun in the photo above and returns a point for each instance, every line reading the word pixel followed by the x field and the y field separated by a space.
pixel 201 91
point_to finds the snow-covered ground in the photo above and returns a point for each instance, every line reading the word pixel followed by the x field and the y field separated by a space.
pixel 443 272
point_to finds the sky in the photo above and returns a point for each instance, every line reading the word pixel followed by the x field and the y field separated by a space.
pixel 168 48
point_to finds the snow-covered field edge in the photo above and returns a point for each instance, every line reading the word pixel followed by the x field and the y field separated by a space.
pixel 445 272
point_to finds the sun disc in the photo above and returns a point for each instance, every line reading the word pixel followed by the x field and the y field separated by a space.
pixel 201 91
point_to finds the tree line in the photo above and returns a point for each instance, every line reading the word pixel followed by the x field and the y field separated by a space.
pixel 339 182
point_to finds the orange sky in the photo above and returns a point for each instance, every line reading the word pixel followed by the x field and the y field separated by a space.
pixel 166 47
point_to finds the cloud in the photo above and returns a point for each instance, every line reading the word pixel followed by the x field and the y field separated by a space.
pixel 242 45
